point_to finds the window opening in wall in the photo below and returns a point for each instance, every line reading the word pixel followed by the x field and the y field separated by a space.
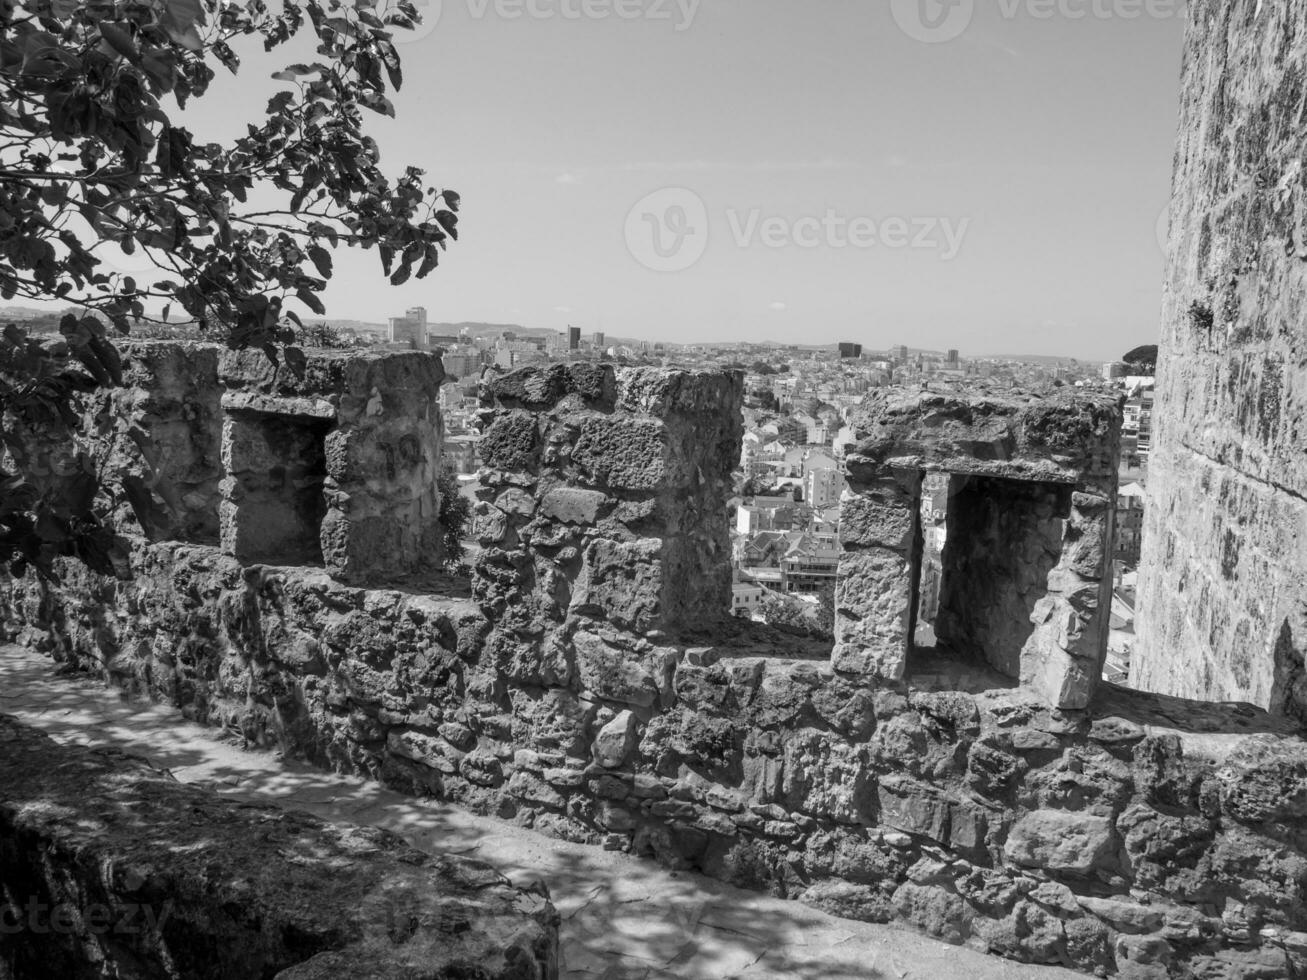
pixel 278 464
pixel 987 548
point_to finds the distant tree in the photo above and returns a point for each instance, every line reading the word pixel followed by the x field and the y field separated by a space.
pixel 762 367
pixel 455 517
pixel 793 615
pixel 766 399
pixel 91 159
pixel 323 336
pixel 1143 358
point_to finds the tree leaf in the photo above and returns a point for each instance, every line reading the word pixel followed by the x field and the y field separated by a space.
pixel 184 13
pixel 119 38
pixel 312 301
pixel 321 259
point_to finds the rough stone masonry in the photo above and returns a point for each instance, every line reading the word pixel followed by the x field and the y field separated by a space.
pixel 109 868
pixel 1223 580
pixel 591 686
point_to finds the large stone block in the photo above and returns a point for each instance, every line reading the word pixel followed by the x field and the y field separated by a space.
pixel 1061 842
pixel 880 517
pixel 622 583
pixel 873 602
pixel 620 452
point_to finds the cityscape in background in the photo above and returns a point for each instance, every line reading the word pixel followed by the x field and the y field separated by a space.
pixel 784 517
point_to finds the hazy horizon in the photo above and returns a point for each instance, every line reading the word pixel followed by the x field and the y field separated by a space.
pixel 784 162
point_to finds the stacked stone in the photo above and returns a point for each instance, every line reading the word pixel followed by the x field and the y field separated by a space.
pixel 1068 440
pixel 212 888
pixel 1143 838
pixel 602 521
pixel 1223 575
pixel 374 420
pixel 1148 838
pixel 158 437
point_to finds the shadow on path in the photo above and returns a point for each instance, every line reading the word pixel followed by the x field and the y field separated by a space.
pixel 622 919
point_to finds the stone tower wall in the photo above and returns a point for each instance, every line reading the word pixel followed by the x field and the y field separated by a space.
pixel 1223 581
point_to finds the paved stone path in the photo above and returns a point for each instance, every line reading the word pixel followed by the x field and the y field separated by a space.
pixel 623 919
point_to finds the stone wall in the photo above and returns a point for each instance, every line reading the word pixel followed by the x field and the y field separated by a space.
pixel 1223 580
pixel 370 431
pixel 109 868
pixel 1147 837
pixel 1061 448
pixel 331 461
pixel 592 688
pixel 1004 540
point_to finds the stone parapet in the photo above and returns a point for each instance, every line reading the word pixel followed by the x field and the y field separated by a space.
pixel 1145 837
pixel 603 504
pixel 589 683
pixel 334 459
pixel 111 868
pixel 1027 574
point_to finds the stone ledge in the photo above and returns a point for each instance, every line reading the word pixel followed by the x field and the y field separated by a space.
pixel 108 868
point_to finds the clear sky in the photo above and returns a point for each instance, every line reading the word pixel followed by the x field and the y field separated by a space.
pixel 1028 158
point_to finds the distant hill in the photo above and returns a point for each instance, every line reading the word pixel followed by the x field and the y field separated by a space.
pixel 1047 359
pixel 437 329
pixel 25 313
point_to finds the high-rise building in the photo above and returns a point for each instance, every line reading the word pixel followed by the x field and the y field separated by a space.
pixel 850 351
pixel 599 340
pixel 411 328
pixel 573 338
pixel 900 354
pixel 952 358
pixel 822 487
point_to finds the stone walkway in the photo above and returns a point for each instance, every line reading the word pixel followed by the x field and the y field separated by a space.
pixel 623 919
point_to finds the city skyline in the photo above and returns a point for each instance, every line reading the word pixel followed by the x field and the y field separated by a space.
pixel 1026 221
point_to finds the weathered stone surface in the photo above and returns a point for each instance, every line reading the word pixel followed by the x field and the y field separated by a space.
pixel 873 601
pixel 613 673
pixel 608 454
pixel 1223 579
pixel 572 506
pixel 1060 842
pixel 883 516
pixel 594 690
pixel 615 741
pixel 334 463
pixel 1004 539
pixel 216 888
pixel 1028 481
pixel 622 583
pixel 1058 437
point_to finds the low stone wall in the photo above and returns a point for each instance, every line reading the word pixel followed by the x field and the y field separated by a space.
pixel 1146 838
pixel 110 869
pixel 590 684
